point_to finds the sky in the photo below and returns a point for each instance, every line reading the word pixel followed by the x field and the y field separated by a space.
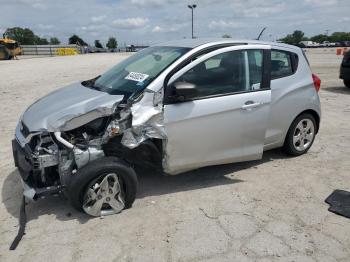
pixel 145 22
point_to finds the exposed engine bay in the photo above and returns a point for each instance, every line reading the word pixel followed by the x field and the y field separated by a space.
pixel 48 160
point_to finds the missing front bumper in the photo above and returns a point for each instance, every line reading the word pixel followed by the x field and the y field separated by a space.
pixel 24 163
pixel 22 160
pixel 33 194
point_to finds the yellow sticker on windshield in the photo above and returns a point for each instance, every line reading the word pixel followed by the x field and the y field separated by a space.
pixel 138 77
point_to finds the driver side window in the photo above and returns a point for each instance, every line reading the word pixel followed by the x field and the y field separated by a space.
pixel 226 73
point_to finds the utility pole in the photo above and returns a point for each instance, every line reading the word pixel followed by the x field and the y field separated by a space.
pixel 192 7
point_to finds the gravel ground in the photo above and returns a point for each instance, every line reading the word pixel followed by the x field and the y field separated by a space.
pixel 267 210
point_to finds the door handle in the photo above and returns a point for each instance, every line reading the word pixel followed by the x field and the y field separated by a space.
pixel 250 104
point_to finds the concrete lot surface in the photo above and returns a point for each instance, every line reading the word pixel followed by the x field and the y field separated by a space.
pixel 268 210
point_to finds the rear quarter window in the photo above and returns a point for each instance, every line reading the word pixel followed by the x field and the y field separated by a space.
pixel 283 63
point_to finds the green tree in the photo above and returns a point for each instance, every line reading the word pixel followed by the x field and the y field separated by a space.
pixel 98 44
pixel 339 36
pixel 226 36
pixel 76 40
pixel 319 38
pixel 112 43
pixel 295 38
pixel 54 41
pixel 40 41
pixel 24 36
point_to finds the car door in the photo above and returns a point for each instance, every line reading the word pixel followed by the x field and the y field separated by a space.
pixel 288 90
pixel 226 120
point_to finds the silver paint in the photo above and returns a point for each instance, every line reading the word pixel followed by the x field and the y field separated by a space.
pixel 199 133
pixel 216 130
pixel 68 108
pixel 147 121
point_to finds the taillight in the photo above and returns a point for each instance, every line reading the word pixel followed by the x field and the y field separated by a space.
pixel 317 82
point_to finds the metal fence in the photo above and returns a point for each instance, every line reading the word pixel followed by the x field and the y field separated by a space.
pixel 51 50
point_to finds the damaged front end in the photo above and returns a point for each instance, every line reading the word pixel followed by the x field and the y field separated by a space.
pixel 117 115
pixel 48 159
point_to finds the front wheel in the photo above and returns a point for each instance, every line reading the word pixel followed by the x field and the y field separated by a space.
pixel 5 54
pixel 103 187
pixel 301 135
pixel 347 83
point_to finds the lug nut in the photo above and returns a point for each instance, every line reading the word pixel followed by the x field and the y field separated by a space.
pixel 107 199
pixel 99 197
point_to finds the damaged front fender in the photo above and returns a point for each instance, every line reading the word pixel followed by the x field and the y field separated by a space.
pixel 147 120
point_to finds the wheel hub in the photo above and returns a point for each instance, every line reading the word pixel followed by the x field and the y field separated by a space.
pixel 303 134
pixel 104 196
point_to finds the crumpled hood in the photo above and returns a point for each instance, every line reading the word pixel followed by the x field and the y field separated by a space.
pixel 68 108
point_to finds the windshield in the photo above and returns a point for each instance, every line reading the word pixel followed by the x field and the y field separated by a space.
pixel 138 71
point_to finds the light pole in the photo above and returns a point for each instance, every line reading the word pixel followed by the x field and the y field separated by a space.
pixel 192 7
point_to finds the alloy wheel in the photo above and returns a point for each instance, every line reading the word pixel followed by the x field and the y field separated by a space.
pixel 303 135
pixel 104 196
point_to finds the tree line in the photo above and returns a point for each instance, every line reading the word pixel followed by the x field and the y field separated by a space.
pixel 26 36
pixel 297 36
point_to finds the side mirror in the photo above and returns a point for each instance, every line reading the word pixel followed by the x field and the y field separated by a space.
pixel 185 90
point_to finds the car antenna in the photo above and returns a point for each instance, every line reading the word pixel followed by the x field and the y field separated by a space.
pixel 262 31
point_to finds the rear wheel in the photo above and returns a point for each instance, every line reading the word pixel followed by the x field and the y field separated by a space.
pixel 347 83
pixel 103 187
pixel 4 55
pixel 301 135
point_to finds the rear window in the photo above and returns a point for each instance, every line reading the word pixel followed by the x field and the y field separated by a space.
pixel 283 63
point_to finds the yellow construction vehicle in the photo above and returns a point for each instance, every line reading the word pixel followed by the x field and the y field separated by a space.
pixel 9 49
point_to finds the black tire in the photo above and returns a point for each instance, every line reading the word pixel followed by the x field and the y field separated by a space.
pixel 288 146
pixel 84 176
pixel 347 83
pixel 5 55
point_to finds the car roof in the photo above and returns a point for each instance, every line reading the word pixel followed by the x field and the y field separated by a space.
pixel 193 43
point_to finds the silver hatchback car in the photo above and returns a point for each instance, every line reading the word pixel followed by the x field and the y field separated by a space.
pixel 173 107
